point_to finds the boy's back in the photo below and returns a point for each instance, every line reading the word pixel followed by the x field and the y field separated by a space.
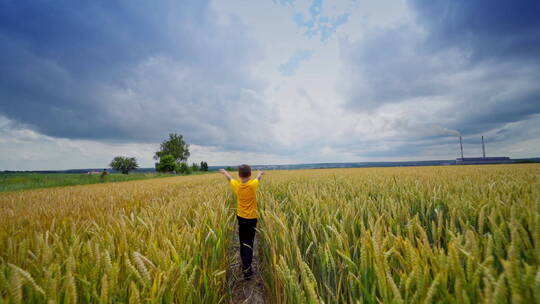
pixel 246 197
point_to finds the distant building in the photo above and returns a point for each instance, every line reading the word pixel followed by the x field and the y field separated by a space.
pixel 481 160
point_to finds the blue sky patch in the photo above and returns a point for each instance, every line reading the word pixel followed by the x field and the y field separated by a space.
pixel 291 66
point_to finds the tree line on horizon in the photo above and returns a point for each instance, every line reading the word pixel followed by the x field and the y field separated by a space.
pixel 171 157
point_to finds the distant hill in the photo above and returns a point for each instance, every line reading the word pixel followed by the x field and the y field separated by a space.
pixel 79 171
pixel 297 166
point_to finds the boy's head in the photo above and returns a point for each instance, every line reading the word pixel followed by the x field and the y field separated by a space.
pixel 244 171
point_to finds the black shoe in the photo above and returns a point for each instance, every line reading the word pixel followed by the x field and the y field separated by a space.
pixel 248 273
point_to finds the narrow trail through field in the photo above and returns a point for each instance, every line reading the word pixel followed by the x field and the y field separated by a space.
pixel 242 291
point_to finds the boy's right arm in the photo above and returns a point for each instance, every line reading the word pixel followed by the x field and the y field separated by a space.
pixel 227 175
pixel 259 175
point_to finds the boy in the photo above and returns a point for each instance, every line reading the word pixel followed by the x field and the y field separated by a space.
pixel 246 212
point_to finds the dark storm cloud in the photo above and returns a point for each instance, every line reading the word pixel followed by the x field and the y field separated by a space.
pixel 480 57
pixel 128 70
pixel 483 28
pixel 390 65
pixel 491 112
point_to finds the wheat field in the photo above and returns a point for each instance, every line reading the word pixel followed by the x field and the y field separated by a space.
pixel 161 240
pixel 456 234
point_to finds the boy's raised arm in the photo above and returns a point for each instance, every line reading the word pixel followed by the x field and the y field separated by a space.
pixel 259 175
pixel 227 175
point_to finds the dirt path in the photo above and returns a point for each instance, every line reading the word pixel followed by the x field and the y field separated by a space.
pixel 243 291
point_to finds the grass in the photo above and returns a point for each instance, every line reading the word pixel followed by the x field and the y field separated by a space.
pixel 24 181
pixel 456 234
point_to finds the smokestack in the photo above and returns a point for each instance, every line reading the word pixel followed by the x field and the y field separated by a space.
pixel 483 148
pixel 461 146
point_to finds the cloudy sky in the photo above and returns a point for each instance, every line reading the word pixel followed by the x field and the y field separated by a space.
pixel 267 82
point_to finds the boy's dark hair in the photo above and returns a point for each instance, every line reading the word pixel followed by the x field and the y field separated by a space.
pixel 244 171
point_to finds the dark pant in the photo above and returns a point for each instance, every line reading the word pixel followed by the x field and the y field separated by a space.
pixel 246 234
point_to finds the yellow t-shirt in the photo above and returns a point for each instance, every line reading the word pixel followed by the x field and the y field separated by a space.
pixel 246 197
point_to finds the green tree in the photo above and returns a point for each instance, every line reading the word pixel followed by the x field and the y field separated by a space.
pixel 175 146
pixel 184 168
pixel 167 163
pixel 204 166
pixel 194 167
pixel 124 164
